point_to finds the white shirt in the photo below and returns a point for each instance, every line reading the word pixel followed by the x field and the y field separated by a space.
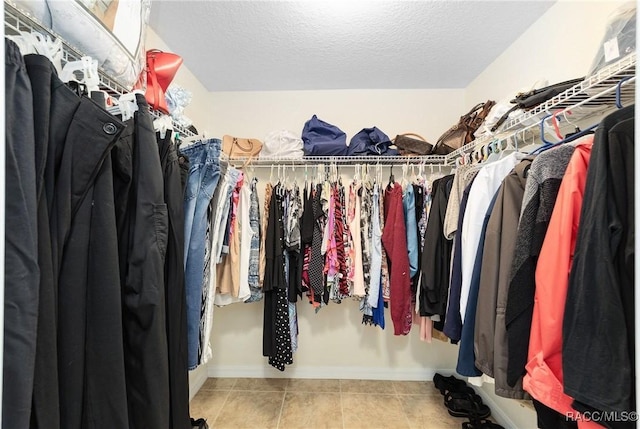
pixel 484 187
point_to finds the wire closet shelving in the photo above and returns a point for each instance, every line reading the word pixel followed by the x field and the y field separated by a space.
pixel 17 21
pixel 592 97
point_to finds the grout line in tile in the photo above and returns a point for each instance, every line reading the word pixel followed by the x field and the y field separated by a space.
pixel 284 395
pixel 221 407
pixel 341 406
pixel 404 413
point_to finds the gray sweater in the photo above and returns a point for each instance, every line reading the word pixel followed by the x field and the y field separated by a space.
pixel 543 182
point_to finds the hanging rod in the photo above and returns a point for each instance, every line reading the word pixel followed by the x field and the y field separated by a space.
pixel 17 20
pixel 342 160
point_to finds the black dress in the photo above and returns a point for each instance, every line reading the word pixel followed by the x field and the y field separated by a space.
pixel 276 339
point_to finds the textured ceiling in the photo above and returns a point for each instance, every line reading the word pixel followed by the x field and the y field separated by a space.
pixel 340 44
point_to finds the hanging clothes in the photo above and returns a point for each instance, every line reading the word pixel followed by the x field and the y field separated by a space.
pixel 394 239
pixel 340 239
pixel 203 178
pixel 484 187
pixel 464 174
pixel 306 238
pixel 365 232
pixel 373 295
pixel 138 185
pixel 30 366
pixel 293 243
pixel 94 288
pixel 598 328
pixel 499 247
pixel 544 380
pixel 175 298
pixel 265 220
pixel 276 330
pixel 423 203
pixel 217 224
pixel 316 261
pixel 233 272
pixel 293 263
pixel 466 359
pixel 385 278
pixel 411 228
pixel 543 182
pixel 245 233
pixel 365 223
pixel 436 254
pixel 356 271
pixel 254 255
pixel 453 323
pixel 331 263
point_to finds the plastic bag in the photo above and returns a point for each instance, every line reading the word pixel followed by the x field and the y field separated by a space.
pixel 619 38
pixel 111 32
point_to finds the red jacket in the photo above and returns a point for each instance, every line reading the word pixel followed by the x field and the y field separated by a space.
pixel 394 239
pixel 544 379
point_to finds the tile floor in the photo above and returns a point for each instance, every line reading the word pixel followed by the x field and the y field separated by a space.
pixel 253 403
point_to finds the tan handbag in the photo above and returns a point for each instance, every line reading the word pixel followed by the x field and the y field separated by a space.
pixel 236 147
pixel 463 132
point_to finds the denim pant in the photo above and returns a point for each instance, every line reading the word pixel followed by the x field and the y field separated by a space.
pixel 204 173
pixel 220 213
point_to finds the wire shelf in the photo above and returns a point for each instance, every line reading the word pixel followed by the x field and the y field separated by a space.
pixel 17 21
pixel 343 160
pixel 593 96
pixel 606 78
pixel 176 127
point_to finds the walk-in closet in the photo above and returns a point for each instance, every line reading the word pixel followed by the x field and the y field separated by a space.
pixel 319 214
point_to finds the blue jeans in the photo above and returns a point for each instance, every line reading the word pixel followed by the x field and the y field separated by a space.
pixel 204 174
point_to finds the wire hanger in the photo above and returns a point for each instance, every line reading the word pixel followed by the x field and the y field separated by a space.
pixel 619 90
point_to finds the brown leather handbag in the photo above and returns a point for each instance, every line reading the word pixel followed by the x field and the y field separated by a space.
pixel 236 147
pixel 411 144
pixel 161 69
pixel 463 132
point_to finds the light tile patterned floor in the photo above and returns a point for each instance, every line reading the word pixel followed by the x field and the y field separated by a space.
pixel 246 403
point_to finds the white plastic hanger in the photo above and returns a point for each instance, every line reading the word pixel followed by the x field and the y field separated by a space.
pixel 41 44
pixel 495 146
pixel 510 147
pixel 161 124
pixel 126 106
pixel 84 71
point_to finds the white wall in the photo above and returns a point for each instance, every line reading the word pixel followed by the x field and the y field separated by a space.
pixel 559 46
pixel 254 114
pixel 198 109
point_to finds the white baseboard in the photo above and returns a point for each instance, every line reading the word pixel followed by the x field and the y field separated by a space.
pixel 196 380
pixel 497 413
pixel 329 372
